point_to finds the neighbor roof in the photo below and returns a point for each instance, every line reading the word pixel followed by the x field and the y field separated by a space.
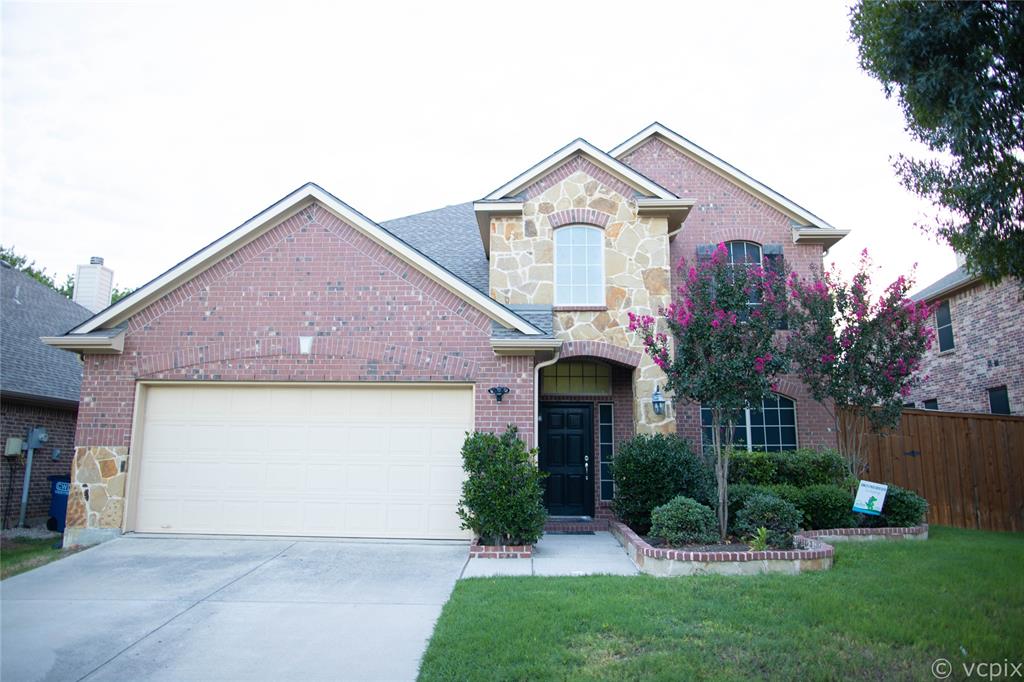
pixel 951 282
pixel 30 369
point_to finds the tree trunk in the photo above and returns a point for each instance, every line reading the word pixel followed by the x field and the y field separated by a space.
pixel 722 452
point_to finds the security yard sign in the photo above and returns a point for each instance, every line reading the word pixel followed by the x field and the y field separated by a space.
pixel 870 497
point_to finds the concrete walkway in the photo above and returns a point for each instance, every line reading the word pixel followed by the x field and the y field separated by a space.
pixel 139 608
pixel 558 554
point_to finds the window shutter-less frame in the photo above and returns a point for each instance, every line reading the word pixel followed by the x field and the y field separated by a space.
pixel 774 261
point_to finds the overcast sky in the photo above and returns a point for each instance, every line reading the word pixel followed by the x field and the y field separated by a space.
pixel 142 131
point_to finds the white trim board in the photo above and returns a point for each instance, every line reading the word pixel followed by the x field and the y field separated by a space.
pixel 269 218
pixel 717 165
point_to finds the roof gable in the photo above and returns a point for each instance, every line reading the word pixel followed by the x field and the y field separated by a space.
pixel 579 147
pixel 250 230
pixel 705 158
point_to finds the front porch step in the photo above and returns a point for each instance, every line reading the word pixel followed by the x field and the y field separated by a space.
pixel 561 524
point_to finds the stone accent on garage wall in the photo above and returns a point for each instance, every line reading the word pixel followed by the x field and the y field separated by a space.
pixel 96 500
pixel 637 268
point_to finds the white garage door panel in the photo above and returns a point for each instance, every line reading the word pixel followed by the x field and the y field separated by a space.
pixel 370 461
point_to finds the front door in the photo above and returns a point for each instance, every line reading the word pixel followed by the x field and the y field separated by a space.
pixel 566 454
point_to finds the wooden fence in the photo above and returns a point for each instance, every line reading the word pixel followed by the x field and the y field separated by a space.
pixel 970 467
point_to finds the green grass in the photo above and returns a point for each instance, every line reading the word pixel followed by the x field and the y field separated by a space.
pixel 886 610
pixel 18 555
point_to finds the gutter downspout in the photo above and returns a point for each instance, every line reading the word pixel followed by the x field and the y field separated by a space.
pixel 536 395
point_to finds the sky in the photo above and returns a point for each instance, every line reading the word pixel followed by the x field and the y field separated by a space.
pixel 141 131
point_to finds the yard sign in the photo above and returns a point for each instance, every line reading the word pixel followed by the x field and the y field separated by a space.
pixel 870 497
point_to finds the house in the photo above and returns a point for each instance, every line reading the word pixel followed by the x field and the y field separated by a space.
pixel 38 387
pixel 976 363
pixel 313 372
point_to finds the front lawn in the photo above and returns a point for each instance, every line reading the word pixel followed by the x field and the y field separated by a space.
pixel 885 611
pixel 20 554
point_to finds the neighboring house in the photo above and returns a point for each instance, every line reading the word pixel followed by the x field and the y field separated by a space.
pixel 976 363
pixel 313 372
pixel 38 387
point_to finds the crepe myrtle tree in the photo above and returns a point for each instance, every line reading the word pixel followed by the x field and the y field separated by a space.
pixel 725 354
pixel 858 355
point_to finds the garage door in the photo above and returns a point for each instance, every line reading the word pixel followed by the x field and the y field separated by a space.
pixel 345 461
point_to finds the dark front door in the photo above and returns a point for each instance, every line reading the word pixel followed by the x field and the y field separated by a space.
pixel 566 453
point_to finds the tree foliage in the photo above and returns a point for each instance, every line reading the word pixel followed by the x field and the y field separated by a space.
pixel 857 354
pixel 724 353
pixel 956 69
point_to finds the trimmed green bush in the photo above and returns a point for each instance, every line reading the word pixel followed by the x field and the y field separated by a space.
pixel 781 518
pixel 739 493
pixel 502 496
pixel 684 521
pixel 650 471
pixel 902 509
pixel 800 468
pixel 826 506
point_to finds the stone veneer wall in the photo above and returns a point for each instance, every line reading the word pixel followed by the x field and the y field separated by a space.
pixel 636 265
pixel 373 318
pixel 988 337
pixel 724 212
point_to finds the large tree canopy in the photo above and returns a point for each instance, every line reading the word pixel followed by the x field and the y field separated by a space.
pixel 956 69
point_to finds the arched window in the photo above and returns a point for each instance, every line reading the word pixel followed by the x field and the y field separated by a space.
pixel 744 253
pixel 772 428
pixel 579 266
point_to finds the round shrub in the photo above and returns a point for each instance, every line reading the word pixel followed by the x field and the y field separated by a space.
pixel 826 506
pixel 806 467
pixel 787 492
pixel 764 510
pixel 649 471
pixel 684 521
pixel 502 496
pixel 739 493
pixel 902 508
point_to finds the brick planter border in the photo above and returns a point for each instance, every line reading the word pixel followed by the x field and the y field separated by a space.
pixel 478 551
pixel 812 552
pixel 869 534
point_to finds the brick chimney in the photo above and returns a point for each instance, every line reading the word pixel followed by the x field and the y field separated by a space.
pixel 93 285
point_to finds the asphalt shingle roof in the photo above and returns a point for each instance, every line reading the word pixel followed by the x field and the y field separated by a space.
pixel 540 316
pixel 27 366
pixel 449 236
pixel 953 279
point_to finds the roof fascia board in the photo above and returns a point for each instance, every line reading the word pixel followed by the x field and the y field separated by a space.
pixel 274 215
pixel 579 146
pixel 83 343
pixel 524 346
pixel 726 170
pixel 827 237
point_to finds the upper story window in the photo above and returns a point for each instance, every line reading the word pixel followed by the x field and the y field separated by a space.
pixel 744 253
pixel 579 266
pixel 944 327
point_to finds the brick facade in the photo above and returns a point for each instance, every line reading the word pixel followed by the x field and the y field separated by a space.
pixel 988 336
pixel 16 419
pixel 725 212
pixel 374 319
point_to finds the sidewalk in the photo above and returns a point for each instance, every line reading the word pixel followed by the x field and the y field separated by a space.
pixel 558 554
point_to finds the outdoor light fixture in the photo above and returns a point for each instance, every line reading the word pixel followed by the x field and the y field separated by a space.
pixel 498 392
pixel 658 401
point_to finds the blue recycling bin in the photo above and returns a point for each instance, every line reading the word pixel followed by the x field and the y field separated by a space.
pixel 60 488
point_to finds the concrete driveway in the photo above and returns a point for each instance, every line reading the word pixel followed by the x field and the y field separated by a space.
pixel 144 608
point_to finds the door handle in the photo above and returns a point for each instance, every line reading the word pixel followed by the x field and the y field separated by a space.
pixel 586 467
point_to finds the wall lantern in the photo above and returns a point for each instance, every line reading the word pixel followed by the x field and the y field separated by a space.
pixel 498 392
pixel 658 401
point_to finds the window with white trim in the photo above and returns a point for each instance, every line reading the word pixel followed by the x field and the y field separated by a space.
pixel 605 431
pixel 579 266
pixel 772 428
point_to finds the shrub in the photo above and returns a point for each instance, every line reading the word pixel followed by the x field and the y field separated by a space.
pixel 502 496
pixel 799 468
pixel 650 471
pixel 739 493
pixel 752 468
pixel 684 521
pixel 781 518
pixel 826 506
pixel 789 493
pixel 902 508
